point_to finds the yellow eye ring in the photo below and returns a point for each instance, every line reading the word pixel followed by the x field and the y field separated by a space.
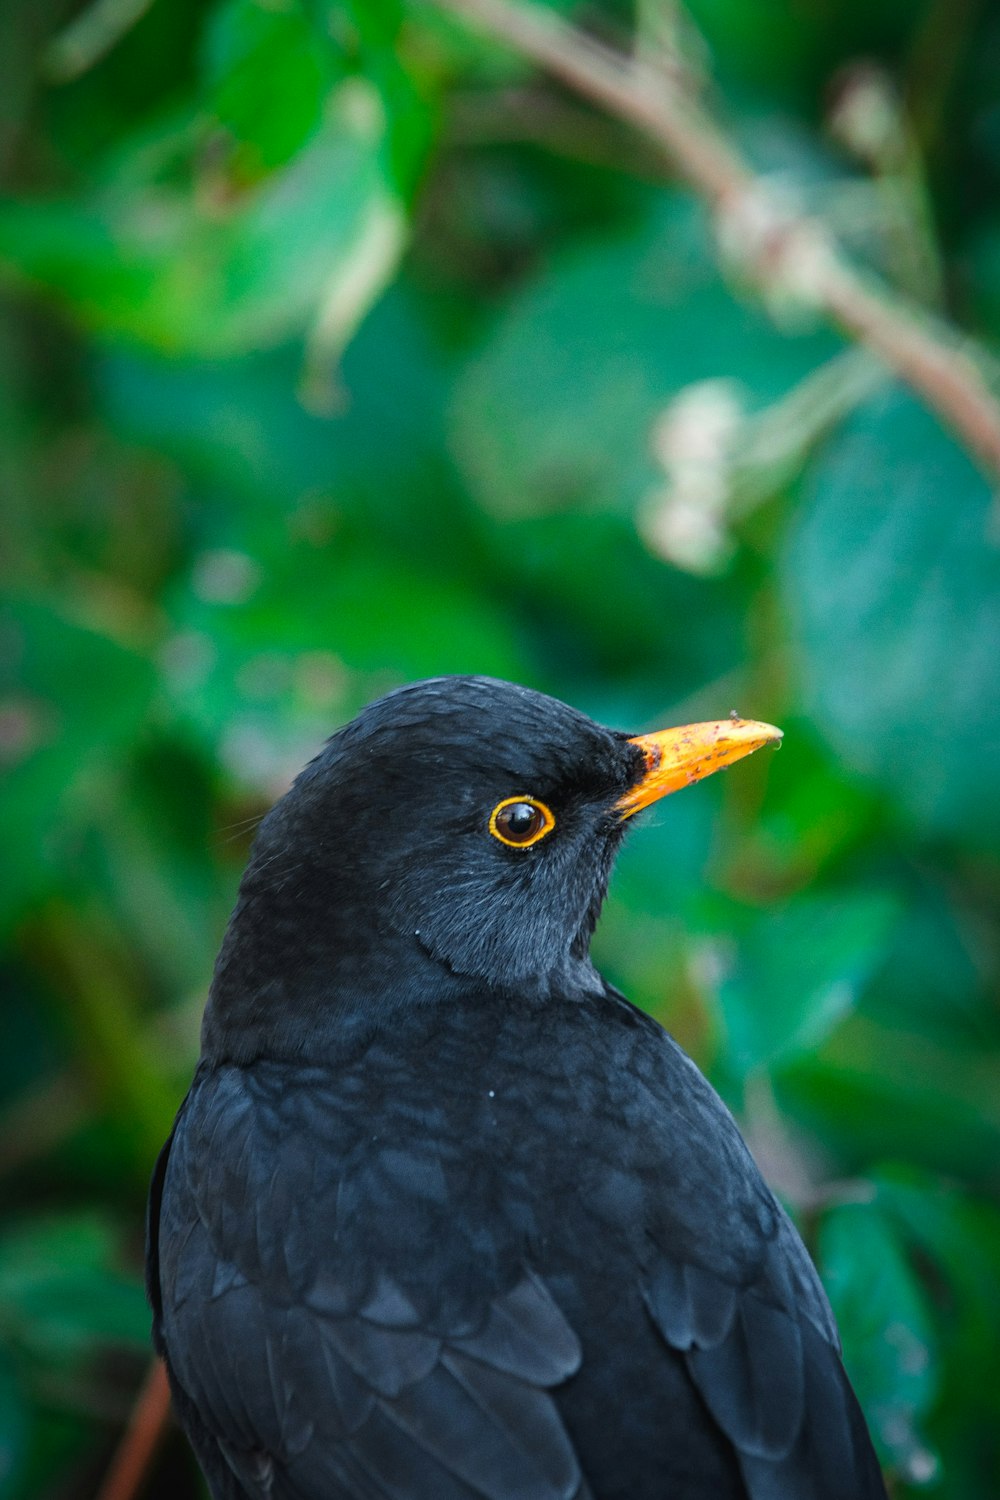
pixel 520 822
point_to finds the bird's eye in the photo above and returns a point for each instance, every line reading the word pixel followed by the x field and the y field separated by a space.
pixel 521 821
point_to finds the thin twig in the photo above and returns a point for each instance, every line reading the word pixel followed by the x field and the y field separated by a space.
pixel 91 35
pixel 559 125
pixel 141 1439
pixel 633 90
pixel 777 250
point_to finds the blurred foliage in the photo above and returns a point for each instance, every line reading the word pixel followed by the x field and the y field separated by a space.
pixel 337 349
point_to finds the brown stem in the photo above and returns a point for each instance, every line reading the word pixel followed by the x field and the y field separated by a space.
pixel 775 251
pixel 945 377
pixel 633 90
pixel 141 1439
pixel 90 35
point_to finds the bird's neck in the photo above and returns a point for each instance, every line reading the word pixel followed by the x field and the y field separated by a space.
pixel 291 983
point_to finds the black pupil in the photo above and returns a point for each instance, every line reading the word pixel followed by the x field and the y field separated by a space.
pixel 520 820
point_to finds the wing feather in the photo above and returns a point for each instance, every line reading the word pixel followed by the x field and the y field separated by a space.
pixel 333 1350
pixel 752 1380
pixel 343 1390
pixel 765 1359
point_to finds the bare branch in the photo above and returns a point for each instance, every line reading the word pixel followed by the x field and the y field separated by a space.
pixel 90 35
pixel 130 1465
pixel 777 250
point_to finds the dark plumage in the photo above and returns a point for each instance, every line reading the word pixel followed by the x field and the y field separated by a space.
pixel 443 1216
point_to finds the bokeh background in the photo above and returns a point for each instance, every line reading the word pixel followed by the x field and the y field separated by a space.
pixel 339 347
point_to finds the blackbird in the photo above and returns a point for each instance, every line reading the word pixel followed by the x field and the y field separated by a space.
pixel 444 1216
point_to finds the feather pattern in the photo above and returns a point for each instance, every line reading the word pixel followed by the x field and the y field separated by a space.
pixel 349 1313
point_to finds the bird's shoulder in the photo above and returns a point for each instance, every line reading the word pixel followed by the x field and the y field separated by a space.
pixel 419 1233
pixel 474 1139
pixel 729 1285
pixel 330 1315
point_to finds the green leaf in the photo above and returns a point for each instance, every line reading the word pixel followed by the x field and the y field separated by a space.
pixel 642 941
pixel 953 1239
pixel 889 1344
pixel 935 979
pixel 74 700
pixel 958 1236
pixel 239 431
pixel 760 42
pixel 798 970
pixel 382 49
pixel 13 1427
pixel 306 248
pixel 61 1292
pixel 877 1092
pixel 558 410
pixel 161 865
pixel 891 578
pixel 268 660
pixel 316 242
pixel 267 75
pixel 812 815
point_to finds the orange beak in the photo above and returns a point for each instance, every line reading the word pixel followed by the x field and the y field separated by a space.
pixel 676 758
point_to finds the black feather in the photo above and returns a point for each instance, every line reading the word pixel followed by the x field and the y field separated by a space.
pixel 444 1217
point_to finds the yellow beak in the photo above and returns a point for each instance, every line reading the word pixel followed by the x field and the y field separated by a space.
pixel 676 758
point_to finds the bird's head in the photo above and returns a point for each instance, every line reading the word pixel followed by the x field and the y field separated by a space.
pixel 459 827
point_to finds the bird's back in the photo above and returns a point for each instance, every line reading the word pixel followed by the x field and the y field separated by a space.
pixel 511 1251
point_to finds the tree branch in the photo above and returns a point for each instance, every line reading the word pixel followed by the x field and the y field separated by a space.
pixel 777 250
pixel 131 1463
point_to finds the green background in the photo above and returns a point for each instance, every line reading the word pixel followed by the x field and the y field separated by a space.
pixel 339 348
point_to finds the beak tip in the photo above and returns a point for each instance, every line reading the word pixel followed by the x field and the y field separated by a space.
pixel 755 729
pixel 676 758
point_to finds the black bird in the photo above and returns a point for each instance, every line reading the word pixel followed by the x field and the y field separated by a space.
pixel 443 1216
